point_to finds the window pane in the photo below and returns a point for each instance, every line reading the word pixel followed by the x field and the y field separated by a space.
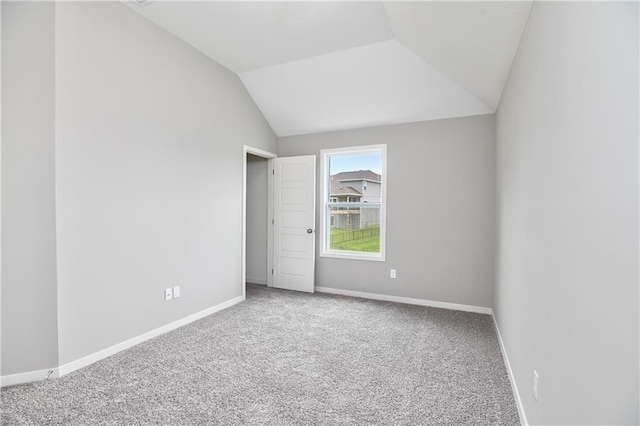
pixel 353 212
pixel 355 228
pixel 355 177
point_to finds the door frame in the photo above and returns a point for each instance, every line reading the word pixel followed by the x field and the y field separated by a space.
pixel 269 156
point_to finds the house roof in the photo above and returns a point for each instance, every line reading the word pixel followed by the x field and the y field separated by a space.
pixel 339 189
pixel 367 175
pixel 319 66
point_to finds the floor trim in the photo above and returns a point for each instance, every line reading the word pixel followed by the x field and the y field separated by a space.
pixel 444 305
pixel 407 300
pixel 29 376
pixel 514 387
pixel 255 280
pixel 34 376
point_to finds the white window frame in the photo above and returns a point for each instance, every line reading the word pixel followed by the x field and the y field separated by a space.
pixel 325 225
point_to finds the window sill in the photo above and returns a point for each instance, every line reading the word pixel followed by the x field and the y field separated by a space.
pixel 351 256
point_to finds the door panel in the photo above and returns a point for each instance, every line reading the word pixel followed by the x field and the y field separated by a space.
pixel 294 194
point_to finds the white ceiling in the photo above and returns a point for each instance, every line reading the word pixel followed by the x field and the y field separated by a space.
pixel 473 43
pixel 381 83
pixel 321 66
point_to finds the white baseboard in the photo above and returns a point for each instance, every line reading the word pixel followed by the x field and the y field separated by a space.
pixel 254 280
pixel 34 376
pixel 407 300
pixel 512 379
pixel 90 359
pixel 29 376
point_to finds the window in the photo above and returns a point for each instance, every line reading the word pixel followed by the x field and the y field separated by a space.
pixel 352 222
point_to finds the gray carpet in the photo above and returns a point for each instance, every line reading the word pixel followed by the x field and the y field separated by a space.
pixel 284 357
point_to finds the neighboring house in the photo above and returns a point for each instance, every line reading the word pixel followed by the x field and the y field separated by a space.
pixel 356 186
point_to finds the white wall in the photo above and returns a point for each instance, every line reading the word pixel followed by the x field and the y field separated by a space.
pixel 257 219
pixel 566 295
pixel 149 160
pixel 440 211
pixel 29 317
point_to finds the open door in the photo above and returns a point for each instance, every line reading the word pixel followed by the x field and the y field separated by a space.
pixel 294 208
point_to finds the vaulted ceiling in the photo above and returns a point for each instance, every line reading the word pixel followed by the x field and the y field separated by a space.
pixel 322 66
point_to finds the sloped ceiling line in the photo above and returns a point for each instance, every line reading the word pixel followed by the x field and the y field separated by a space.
pixel 322 66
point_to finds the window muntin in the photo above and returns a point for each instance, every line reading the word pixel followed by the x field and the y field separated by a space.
pixel 353 222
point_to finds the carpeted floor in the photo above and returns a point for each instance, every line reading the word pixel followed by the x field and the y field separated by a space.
pixel 284 357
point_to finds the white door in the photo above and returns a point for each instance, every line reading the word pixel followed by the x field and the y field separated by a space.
pixel 294 208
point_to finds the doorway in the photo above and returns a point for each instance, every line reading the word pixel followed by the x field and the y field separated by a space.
pixel 257 219
pixel 288 219
pixel 257 208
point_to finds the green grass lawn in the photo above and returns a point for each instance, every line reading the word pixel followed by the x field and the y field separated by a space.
pixel 356 240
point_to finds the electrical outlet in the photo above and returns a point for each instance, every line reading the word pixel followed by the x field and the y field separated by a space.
pixel 168 294
pixel 535 384
pixel 393 273
pixel 176 292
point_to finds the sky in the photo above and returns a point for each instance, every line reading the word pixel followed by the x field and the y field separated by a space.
pixel 361 161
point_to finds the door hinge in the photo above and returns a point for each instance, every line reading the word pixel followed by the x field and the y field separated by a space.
pixel 273 171
pixel 271 271
pixel 273 222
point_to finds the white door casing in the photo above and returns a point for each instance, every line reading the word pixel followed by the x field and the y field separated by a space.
pixel 269 156
pixel 294 194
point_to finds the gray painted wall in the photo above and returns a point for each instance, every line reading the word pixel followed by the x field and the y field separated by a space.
pixel 257 219
pixel 1 190
pixel 123 162
pixel 440 211
pixel 566 296
pixel 149 160
pixel 29 313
